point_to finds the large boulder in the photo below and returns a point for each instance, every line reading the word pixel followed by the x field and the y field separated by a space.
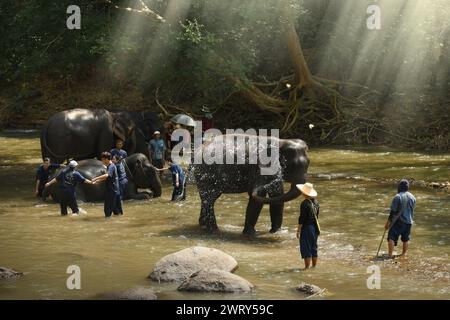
pixel 6 273
pixel 214 280
pixel 138 293
pixel 180 265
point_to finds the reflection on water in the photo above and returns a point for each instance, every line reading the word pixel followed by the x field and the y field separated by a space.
pixel 120 253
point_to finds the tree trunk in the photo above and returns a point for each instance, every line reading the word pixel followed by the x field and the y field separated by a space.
pixel 302 74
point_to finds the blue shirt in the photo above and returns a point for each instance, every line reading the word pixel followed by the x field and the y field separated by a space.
pixel 174 168
pixel 68 179
pixel 43 175
pixel 157 148
pixel 112 182
pixel 121 153
pixel 121 170
pixel 404 202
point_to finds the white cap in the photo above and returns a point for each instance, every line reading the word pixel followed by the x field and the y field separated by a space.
pixel 156 132
pixel 73 163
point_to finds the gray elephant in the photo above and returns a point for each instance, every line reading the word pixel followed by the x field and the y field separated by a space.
pixel 84 133
pixel 214 179
pixel 141 174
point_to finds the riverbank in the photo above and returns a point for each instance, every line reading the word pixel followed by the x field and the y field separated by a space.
pixel 29 105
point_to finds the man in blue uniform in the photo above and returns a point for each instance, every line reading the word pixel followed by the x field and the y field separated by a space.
pixel 118 151
pixel 68 179
pixel 178 180
pixel 400 218
pixel 157 150
pixel 43 174
pixel 113 203
pixel 122 174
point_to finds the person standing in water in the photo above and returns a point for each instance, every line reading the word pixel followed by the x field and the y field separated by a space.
pixel 157 150
pixel 178 180
pixel 400 218
pixel 118 151
pixel 122 174
pixel 43 174
pixel 68 179
pixel 308 228
pixel 113 203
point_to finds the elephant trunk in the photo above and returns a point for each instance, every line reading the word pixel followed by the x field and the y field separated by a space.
pixel 288 196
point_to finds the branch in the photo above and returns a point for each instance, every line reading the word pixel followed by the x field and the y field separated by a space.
pixel 144 10
pixel 166 113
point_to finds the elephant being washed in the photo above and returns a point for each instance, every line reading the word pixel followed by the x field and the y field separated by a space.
pixel 83 133
pixel 214 179
pixel 141 174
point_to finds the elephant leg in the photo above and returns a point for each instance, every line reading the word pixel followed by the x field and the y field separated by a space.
pixel 203 214
pixel 105 143
pixel 276 216
pixel 252 214
pixel 131 193
pixel 207 216
pixel 276 209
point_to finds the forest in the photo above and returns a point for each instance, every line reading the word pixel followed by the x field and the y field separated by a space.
pixel 315 69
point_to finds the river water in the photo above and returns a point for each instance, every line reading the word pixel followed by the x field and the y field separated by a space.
pixel 118 254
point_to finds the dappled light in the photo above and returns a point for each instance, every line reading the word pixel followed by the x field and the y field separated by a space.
pixel 279 134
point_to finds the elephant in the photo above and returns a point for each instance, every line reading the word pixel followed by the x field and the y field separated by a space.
pixel 214 179
pixel 140 173
pixel 84 133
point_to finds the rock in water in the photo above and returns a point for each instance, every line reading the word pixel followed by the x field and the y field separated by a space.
pixel 6 273
pixel 309 289
pixel 214 280
pixel 180 265
pixel 138 293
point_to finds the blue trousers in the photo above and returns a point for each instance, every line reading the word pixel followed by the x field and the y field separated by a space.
pixel 123 187
pixel 179 193
pixel 400 229
pixel 308 241
pixel 68 199
pixel 113 203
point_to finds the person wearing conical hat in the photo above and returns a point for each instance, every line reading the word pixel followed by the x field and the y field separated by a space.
pixel 308 229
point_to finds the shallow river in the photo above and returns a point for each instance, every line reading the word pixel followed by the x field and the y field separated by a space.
pixel 119 254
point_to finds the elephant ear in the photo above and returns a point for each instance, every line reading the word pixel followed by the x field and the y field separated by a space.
pixel 122 128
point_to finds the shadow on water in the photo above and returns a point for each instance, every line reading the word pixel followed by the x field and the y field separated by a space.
pixel 198 233
pixel 21 135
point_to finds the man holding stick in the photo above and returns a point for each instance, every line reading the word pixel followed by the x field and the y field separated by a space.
pixel 401 218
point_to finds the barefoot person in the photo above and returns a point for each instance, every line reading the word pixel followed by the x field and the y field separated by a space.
pixel 43 174
pixel 68 179
pixel 308 228
pixel 400 218
pixel 113 202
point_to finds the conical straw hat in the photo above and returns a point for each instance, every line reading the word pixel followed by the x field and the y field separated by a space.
pixel 307 189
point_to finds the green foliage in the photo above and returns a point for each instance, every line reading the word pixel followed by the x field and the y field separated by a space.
pixel 197 50
pixel 36 40
pixel 200 47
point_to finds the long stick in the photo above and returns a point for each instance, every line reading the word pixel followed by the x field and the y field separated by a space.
pixel 381 242
pixel 390 226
